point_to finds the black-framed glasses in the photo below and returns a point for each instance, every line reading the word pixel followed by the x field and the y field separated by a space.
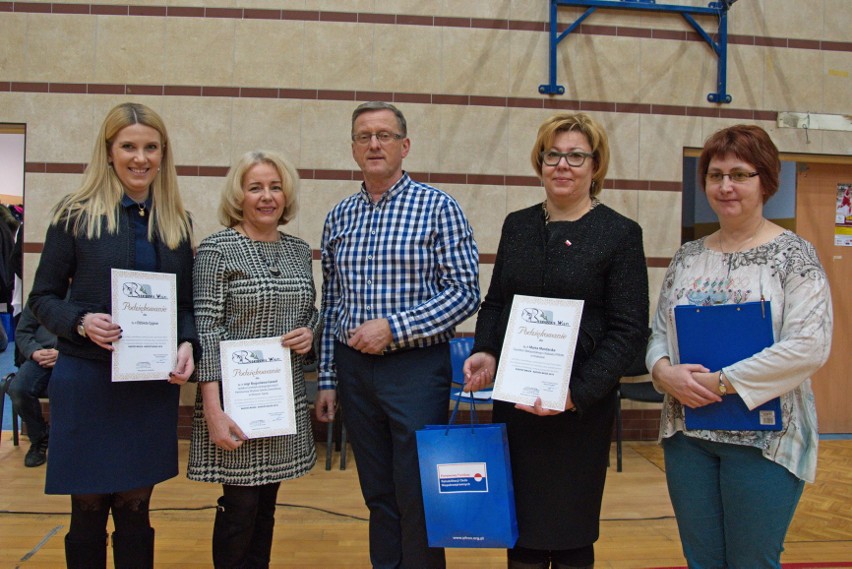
pixel 364 138
pixel 574 158
pixel 738 176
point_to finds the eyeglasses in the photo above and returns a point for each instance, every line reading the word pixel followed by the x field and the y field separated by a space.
pixel 574 158
pixel 736 177
pixel 364 138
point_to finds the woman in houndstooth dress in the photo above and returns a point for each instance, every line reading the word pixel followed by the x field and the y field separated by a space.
pixel 251 281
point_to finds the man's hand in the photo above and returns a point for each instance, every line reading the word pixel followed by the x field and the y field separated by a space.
pixel 325 405
pixel 46 357
pixel 371 337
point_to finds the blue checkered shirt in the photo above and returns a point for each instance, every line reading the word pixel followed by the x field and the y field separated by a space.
pixel 410 258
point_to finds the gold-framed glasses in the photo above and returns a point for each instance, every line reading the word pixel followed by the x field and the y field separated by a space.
pixel 737 176
pixel 364 138
pixel 574 158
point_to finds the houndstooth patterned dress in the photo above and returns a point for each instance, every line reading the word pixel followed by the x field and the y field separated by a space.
pixel 251 289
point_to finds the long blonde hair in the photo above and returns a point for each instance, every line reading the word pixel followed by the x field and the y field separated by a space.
pixel 99 197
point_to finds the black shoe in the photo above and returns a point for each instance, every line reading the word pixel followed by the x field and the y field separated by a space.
pixel 37 455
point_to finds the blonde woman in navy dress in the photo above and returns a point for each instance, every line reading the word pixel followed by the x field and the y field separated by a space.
pixel 251 281
pixel 110 443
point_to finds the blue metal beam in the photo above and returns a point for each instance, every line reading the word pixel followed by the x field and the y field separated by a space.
pixel 716 9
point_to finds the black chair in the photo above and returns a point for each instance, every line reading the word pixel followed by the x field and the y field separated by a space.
pixel 311 367
pixel 635 391
pixel 4 388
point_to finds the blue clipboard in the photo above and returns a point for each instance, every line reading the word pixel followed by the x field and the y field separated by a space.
pixel 718 336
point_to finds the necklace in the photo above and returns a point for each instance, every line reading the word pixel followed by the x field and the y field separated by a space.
pixel 743 243
pixel 261 247
pixel 141 207
pixel 595 203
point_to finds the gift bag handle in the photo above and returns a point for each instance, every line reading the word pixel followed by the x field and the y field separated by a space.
pixel 474 420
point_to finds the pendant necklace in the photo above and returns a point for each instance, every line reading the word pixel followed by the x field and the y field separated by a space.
pixel 272 266
pixel 141 207
pixel 742 244
pixel 595 203
pixel 260 246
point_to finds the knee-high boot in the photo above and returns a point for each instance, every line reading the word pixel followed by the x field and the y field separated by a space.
pixel 260 548
pixel 513 564
pixel 232 535
pixel 563 566
pixel 85 554
pixel 133 550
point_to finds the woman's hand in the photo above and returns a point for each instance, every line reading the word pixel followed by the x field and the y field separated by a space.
pixel 184 366
pixel 537 409
pixel 224 432
pixel 101 330
pixel 479 370
pixel 679 382
pixel 300 340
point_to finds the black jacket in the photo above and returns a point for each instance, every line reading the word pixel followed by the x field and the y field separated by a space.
pixel 84 264
pixel 598 259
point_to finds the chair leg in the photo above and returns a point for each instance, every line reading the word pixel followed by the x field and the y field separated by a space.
pixel 342 446
pixel 16 438
pixel 618 432
pixel 329 444
pixel 2 401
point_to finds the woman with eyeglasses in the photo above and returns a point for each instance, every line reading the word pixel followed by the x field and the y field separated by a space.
pixel 734 492
pixel 568 246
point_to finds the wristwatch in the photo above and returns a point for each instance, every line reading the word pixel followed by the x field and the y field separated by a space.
pixel 80 328
pixel 723 389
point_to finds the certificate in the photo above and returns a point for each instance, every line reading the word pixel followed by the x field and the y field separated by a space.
pixel 145 306
pixel 257 386
pixel 538 351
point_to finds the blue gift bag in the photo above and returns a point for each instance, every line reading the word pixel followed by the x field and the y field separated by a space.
pixel 468 495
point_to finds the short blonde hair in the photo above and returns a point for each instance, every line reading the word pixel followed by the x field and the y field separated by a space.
pixel 231 204
pixel 584 124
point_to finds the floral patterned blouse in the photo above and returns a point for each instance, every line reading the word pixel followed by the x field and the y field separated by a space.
pixel 786 271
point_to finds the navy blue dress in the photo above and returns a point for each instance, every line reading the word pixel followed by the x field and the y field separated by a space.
pixel 111 437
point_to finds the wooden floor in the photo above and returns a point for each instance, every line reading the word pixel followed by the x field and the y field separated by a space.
pixel 322 520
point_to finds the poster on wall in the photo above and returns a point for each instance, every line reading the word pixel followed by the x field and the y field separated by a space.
pixel 843 216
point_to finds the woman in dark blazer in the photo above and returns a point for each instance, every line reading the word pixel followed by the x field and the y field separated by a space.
pixel 110 443
pixel 570 247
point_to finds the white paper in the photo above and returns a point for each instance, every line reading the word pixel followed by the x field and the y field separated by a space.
pixel 538 351
pixel 257 386
pixel 144 304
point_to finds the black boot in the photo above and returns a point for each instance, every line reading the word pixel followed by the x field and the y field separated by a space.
pixel 37 455
pixel 133 550
pixel 85 554
pixel 232 535
pixel 260 548
pixel 562 566
pixel 521 565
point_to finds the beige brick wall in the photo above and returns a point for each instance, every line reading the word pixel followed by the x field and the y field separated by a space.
pixel 466 73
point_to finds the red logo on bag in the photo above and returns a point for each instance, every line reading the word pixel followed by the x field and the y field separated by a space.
pixel 477 477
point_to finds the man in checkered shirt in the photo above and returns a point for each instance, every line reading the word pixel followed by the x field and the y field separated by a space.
pixel 400 271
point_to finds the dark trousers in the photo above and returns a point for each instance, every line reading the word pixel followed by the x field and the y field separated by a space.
pixel 30 382
pixel 385 400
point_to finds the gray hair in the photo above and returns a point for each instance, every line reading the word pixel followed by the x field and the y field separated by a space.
pixel 380 106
